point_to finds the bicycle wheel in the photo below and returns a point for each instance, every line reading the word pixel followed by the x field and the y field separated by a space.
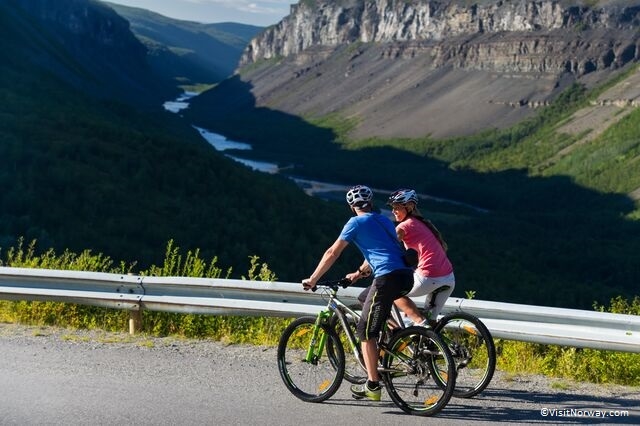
pixel 473 351
pixel 354 371
pixel 303 363
pixel 415 356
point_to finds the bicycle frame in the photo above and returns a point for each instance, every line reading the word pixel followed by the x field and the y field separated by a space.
pixel 336 307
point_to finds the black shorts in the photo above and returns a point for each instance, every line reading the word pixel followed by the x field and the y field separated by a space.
pixel 379 300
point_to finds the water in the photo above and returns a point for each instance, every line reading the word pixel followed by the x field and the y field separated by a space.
pixel 180 103
pixel 219 142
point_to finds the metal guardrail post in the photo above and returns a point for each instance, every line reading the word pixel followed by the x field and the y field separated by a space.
pixel 135 321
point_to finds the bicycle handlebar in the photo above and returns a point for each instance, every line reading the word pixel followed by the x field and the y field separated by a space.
pixel 342 282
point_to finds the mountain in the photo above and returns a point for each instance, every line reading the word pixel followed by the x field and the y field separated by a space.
pixel 539 212
pixel 84 166
pixel 519 121
pixel 189 52
pixel 85 44
pixel 393 66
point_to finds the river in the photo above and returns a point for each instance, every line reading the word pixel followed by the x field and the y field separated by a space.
pixel 311 187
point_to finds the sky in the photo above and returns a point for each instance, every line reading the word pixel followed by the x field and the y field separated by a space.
pixel 259 13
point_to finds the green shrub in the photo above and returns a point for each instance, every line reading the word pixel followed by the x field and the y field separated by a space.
pixel 591 365
pixel 227 328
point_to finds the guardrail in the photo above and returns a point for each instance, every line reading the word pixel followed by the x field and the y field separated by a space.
pixel 537 324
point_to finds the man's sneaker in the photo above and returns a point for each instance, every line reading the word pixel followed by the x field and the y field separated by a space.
pixel 363 391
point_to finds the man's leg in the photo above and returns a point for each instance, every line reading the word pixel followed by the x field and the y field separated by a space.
pixel 371 354
pixel 371 389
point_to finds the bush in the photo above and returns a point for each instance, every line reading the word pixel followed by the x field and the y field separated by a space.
pixel 227 328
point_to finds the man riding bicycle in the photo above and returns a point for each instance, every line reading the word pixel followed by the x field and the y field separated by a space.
pixel 370 232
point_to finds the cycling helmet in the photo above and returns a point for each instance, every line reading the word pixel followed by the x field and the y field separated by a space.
pixel 359 196
pixel 403 196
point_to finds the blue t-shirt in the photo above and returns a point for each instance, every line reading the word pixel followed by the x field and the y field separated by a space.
pixel 378 246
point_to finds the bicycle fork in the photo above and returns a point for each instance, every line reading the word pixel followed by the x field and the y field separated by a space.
pixel 318 339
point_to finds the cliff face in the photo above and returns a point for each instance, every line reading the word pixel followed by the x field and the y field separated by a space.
pixel 545 44
pixel 331 23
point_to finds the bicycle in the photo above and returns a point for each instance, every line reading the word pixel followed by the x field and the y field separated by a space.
pixel 468 339
pixel 311 358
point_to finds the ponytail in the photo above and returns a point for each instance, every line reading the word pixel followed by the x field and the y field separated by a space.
pixel 416 213
pixel 435 231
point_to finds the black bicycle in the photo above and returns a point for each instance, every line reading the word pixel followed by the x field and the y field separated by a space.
pixel 415 364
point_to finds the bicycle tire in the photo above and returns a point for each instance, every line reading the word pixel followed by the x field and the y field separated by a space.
pixel 473 351
pixel 314 381
pixel 416 355
pixel 353 370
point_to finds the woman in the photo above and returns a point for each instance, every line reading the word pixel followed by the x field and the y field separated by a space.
pixel 434 268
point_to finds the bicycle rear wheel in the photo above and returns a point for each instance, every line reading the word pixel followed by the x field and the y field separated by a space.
pixel 473 351
pixel 415 356
pixel 303 362
pixel 354 371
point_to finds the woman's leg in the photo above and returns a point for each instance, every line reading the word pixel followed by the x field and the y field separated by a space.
pixel 410 309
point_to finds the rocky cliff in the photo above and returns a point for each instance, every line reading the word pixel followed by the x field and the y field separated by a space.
pixel 331 23
pixel 402 62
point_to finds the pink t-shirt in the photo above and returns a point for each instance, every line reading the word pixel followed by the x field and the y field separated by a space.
pixel 433 260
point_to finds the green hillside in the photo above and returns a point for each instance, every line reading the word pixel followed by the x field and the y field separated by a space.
pixel 558 233
pixel 189 52
pixel 82 172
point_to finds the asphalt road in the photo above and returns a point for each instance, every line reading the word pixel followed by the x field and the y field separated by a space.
pixel 52 376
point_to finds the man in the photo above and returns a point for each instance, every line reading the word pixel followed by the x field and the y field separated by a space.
pixel 374 235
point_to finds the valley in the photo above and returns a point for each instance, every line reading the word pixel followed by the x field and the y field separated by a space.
pixel 316 188
pixel 509 118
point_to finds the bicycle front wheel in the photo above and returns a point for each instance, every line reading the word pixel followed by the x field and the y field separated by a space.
pixel 304 365
pixel 416 356
pixel 354 370
pixel 473 351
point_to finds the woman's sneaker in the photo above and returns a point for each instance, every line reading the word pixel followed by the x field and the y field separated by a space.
pixel 363 391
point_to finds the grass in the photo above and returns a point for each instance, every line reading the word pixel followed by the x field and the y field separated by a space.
pixel 513 357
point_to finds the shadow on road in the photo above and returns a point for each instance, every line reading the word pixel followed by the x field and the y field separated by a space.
pixel 519 406
pixel 507 405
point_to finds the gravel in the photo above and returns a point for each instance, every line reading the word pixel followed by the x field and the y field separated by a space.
pixel 54 337
pixel 175 380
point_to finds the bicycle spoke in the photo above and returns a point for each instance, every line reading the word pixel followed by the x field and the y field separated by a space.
pixel 303 363
pixel 415 356
pixel 472 348
pixel 354 371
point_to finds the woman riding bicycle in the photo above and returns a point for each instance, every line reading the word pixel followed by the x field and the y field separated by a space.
pixel 370 232
pixel 434 268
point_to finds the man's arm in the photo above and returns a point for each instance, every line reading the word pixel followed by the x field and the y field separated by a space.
pixel 328 259
pixel 363 271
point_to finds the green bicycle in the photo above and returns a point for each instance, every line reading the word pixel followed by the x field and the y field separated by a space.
pixel 416 366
